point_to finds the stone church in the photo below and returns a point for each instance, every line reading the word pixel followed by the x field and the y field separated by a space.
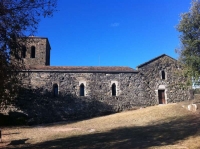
pixel 55 93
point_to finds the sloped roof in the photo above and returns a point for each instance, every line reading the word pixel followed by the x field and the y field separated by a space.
pixel 81 69
pixel 141 65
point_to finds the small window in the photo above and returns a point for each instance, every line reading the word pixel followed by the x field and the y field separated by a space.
pixel 55 90
pixel 163 74
pixel 23 54
pixel 82 90
pixel 33 52
pixel 113 89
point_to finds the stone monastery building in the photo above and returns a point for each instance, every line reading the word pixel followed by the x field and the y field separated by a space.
pixel 79 92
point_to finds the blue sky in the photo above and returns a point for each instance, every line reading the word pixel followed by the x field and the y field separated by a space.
pixel 112 32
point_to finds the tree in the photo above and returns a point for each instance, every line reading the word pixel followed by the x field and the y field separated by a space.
pixel 189 27
pixel 18 18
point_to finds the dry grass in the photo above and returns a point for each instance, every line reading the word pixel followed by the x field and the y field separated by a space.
pixel 164 126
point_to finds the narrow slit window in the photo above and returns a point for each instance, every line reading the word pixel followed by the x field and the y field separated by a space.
pixel 82 90
pixel 55 90
pixel 23 54
pixel 163 74
pixel 32 52
pixel 113 89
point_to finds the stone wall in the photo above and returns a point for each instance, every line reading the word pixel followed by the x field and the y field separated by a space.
pixel 152 81
pixel 38 102
pixel 42 51
pixel 134 89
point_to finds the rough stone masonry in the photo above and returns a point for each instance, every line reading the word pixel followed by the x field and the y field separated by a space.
pixel 55 93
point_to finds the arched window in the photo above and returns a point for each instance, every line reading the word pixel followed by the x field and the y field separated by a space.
pixel 163 74
pixel 33 52
pixel 82 90
pixel 55 90
pixel 113 89
pixel 23 54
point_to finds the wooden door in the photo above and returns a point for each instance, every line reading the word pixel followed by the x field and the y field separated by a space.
pixel 161 96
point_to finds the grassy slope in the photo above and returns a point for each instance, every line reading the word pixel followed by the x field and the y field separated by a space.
pixel 163 126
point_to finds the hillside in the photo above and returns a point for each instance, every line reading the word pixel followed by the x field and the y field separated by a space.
pixel 162 126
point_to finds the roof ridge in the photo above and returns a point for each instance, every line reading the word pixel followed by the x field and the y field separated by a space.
pixel 151 60
pixel 82 68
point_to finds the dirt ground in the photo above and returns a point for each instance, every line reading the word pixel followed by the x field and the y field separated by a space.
pixel 163 126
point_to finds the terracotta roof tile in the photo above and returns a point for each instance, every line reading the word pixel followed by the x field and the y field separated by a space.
pixel 81 68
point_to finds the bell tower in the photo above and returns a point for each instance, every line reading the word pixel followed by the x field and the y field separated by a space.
pixel 35 51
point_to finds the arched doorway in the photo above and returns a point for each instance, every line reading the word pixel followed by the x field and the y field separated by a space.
pixel 161 97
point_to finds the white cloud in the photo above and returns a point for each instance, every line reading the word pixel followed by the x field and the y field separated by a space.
pixel 114 24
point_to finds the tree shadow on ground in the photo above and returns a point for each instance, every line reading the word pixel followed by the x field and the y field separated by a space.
pixel 18 142
pixel 157 134
pixel 6 134
pixel 12 118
